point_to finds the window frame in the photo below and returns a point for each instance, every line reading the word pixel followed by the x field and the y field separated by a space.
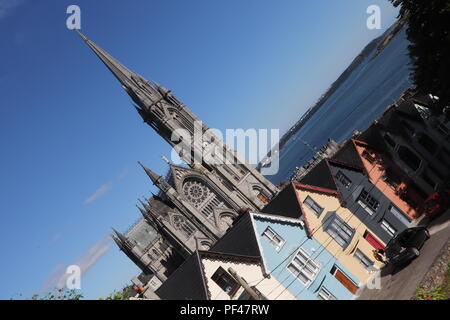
pixel 277 246
pixel 386 228
pixel 343 179
pixel 329 295
pixel 306 260
pixel 406 155
pixel 223 272
pixel 314 204
pixel 364 202
pixel 360 257
pixel 335 232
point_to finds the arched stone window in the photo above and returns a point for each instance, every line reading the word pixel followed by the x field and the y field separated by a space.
pixel 226 219
pixel 205 245
pixel 202 196
pixel 180 223
pixel 260 194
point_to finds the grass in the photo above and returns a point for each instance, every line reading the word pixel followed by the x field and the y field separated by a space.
pixel 440 293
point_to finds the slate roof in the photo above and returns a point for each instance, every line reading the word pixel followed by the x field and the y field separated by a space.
pixel 319 176
pixel 285 203
pixel 189 282
pixel 240 233
pixel 348 155
pixel 186 283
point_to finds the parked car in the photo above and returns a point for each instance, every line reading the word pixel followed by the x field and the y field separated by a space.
pixel 403 247
pixel 436 204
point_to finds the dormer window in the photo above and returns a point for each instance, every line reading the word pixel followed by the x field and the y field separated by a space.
pixel 368 157
pixel 343 179
pixel 274 238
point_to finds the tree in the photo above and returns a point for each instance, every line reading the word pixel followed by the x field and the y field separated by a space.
pixel 428 31
pixel 59 294
pixel 125 294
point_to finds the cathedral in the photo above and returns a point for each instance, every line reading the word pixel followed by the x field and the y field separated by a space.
pixel 195 204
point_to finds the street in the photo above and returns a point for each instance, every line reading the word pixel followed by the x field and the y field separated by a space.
pixel 402 284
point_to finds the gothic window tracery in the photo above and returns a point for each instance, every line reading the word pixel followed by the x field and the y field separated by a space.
pixel 202 197
pixel 180 223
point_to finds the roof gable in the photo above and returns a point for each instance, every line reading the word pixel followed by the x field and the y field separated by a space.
pixel 186 283
pixel 284 204
pixel 240 239
pixel 320 176
pixel 348 155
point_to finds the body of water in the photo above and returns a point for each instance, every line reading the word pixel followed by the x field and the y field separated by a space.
pixel 374 85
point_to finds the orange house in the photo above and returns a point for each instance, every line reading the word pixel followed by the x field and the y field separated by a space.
pixel 389 179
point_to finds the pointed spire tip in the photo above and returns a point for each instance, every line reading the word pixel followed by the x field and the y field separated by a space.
pixel 81 35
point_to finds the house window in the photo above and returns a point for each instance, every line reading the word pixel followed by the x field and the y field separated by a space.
pixel 368 156
pixel 311 204
pixel 369 203
pixel 303 267
pixel 391 178
pixel 428 143
pixel 408 127
pixel 324 294
pixel 388 227
pixel 225 281
pixel 426 177
pixel 399 214
pixel 389 140
pixel 342 178
pixel 340 232
pixel 344 279
pixel 363 259
pixel 409 158
pixel 276 240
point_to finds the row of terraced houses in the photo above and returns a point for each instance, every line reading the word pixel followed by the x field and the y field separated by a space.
pixel 223 231
pixel 316 237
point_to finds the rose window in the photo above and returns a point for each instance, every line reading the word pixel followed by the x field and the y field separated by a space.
pixel 195 192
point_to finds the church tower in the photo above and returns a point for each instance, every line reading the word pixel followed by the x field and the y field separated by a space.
pixel 203 151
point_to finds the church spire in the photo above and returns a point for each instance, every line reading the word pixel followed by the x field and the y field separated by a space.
pixel 122 73
pixel 143 212
pixel 117 241
pixel 120 236
pixel 152 175
pixel 140 90
pixel 121 241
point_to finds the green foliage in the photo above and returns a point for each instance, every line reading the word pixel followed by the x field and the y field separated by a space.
pixel 125 294
pixel 435 294
pixel 440 293
pixel 59 294
pixel 429 33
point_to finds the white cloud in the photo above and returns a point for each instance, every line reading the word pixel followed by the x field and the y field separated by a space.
pixel 58 276
pixel 122 174
pixel 98 193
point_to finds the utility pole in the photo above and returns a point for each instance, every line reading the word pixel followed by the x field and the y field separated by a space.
pixel 244 284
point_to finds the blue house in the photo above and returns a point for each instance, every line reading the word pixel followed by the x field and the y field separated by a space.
pixel 298 262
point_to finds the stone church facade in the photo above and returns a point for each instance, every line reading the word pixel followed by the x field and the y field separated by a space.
pixel 196 204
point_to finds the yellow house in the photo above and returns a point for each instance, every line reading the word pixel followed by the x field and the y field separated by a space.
pixel 340 232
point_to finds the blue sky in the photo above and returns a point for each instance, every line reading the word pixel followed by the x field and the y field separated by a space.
pixel 70 138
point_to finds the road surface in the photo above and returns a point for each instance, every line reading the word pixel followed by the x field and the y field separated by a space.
pixel 402 284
